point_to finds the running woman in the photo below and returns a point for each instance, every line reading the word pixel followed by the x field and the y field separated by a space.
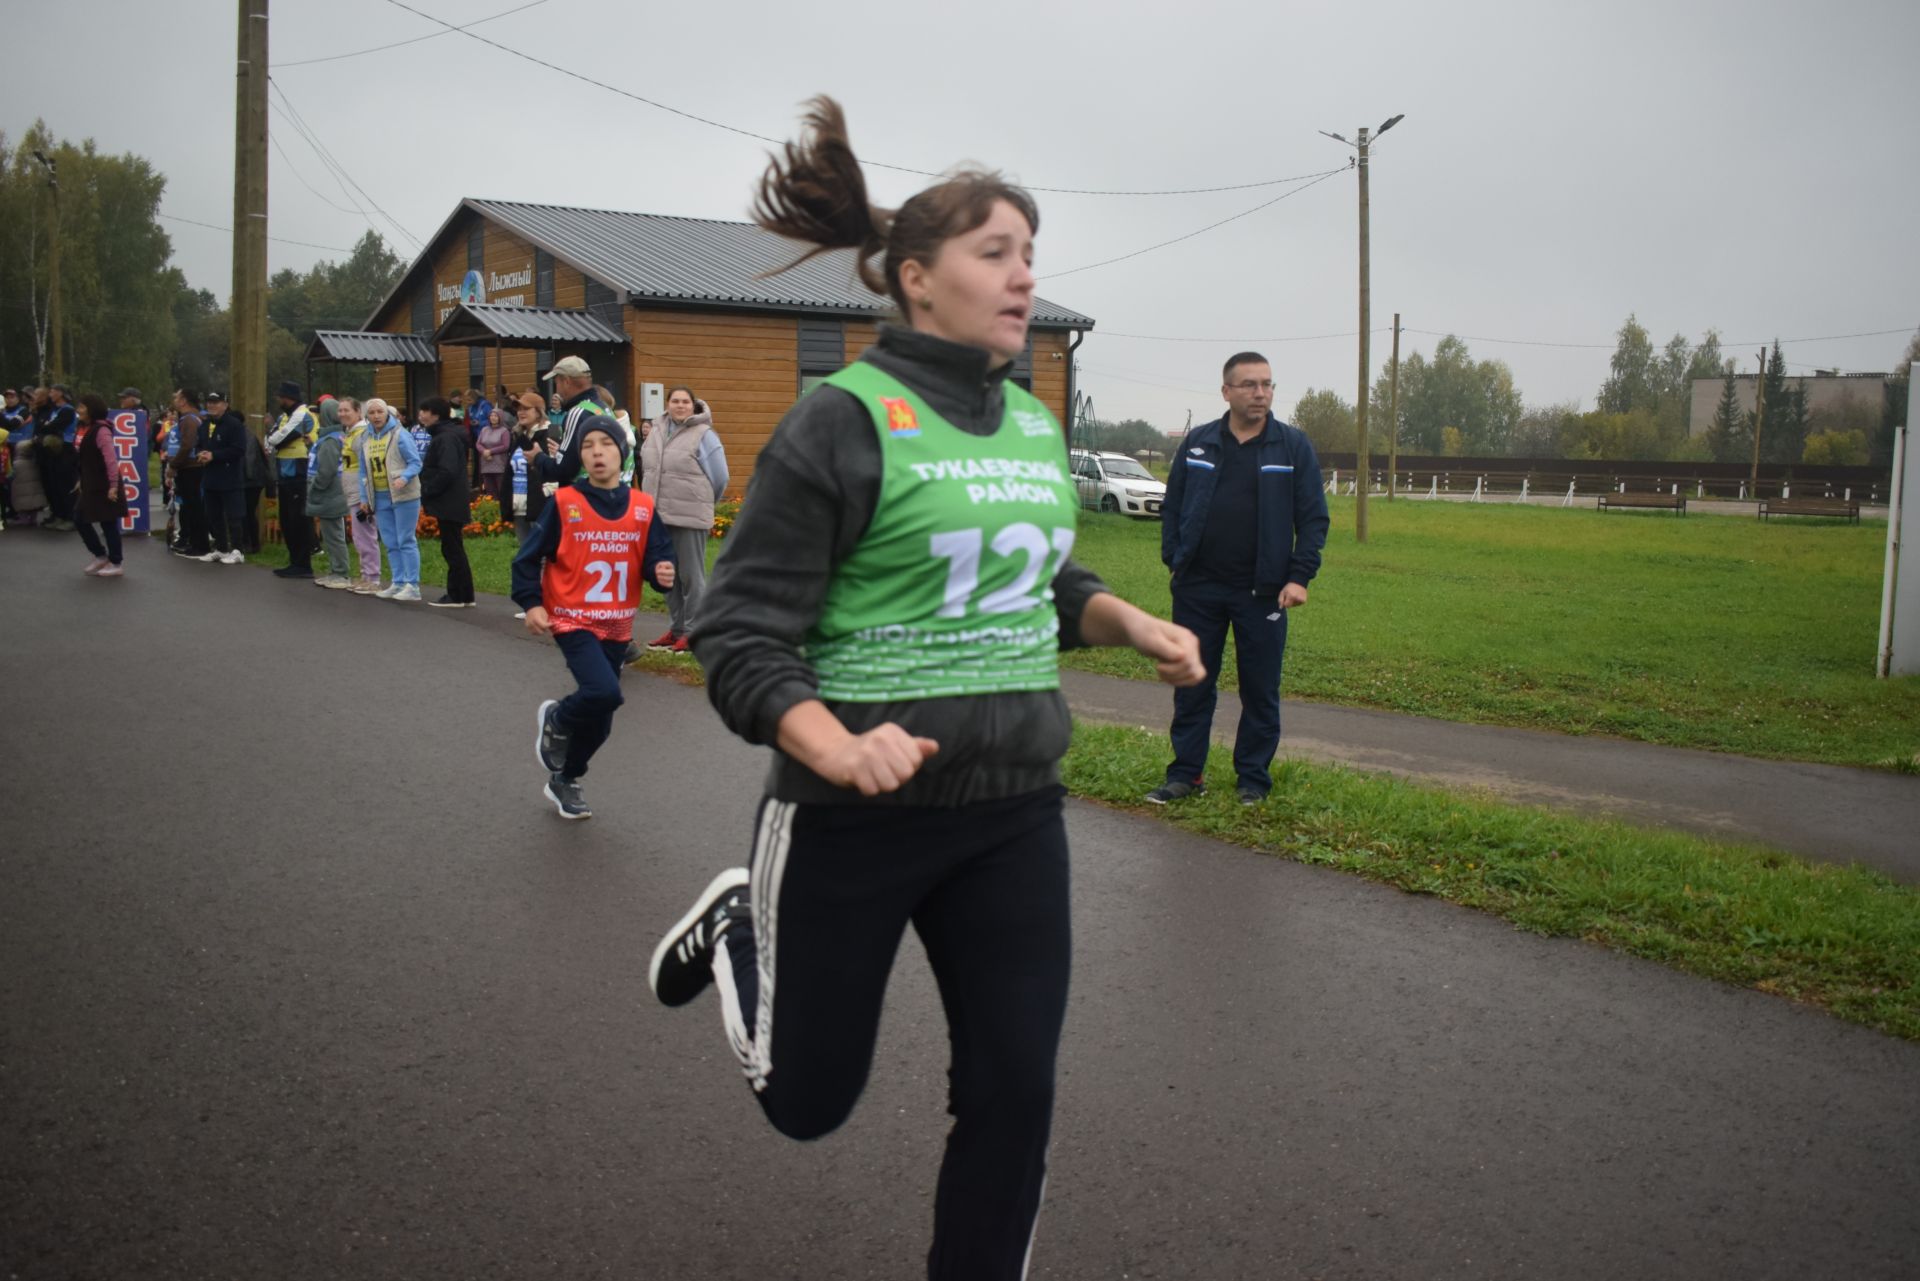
pixel 577 576
pixel 888 617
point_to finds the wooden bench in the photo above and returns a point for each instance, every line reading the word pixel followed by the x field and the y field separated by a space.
pixel 1840 508
pixel 1675 503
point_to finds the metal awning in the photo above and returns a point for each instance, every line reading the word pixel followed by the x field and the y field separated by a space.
pixel 354 347
pixel 525 327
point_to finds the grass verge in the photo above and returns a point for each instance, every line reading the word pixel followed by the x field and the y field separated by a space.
pixel 1712 632
pixel 1842 938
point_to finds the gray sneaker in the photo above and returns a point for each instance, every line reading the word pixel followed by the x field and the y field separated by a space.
pixel 564 792
pixel 1166 792
pixel 1252 796
pixel 550 737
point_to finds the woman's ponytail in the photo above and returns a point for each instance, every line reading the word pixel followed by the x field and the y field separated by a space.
pixel 814 192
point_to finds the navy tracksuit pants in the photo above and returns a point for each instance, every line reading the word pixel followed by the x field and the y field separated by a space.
pixel 1259 626
pixel 587 713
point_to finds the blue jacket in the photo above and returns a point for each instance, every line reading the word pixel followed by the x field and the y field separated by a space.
pixel 1292 526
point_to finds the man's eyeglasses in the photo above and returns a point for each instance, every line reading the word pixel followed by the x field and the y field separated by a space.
pixel 1251 385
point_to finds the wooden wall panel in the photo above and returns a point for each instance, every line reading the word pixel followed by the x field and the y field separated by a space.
pixel 745 367
pixel 509 267
pixel 861 334
pixel 1050 371
pixel 569 287
pixel 390 383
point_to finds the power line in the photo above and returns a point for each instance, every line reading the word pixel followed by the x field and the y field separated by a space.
pixel 1608 346
pixel 336 57
pixel 1317 180
pixel 295 171
pixel 327 157
pixel 657 105
pixel 331 173
pixel 1351 333
pixel 1144 382
pixel 214 226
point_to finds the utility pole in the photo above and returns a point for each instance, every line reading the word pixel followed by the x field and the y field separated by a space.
pixel 1759 417
pixel 249 353
pixel 1393 410
pixel 1361 457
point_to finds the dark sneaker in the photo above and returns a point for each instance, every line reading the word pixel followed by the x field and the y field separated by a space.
pixel 292 572
pixel 683 962
pixel 564 792
pixel 1252 796
pixel 445 602
pixel 550 738
pixel 1166 792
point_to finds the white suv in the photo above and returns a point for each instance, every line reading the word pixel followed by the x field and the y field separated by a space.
pixel 1116 483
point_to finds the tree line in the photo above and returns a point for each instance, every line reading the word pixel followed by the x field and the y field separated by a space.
pixel 126 314
pixel 1453 405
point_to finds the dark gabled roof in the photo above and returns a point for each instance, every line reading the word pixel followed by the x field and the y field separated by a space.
pixel 653 257
pixel 355 347
pixel 524 326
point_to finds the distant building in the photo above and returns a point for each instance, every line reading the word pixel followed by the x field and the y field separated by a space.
pixel 1829 393
pixel 504 289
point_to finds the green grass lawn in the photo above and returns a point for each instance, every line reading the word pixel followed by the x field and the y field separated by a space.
pixel 1711 632
pixel 1842 938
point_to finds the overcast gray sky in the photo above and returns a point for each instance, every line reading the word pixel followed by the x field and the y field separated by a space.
pixel 1746 166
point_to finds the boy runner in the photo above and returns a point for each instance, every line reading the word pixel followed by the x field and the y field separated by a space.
pixel 577 576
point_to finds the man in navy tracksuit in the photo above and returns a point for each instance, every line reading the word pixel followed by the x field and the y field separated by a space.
pixel 1242 527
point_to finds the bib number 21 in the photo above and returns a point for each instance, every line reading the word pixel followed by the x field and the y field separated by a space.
pixel 604 573
pixel 962 549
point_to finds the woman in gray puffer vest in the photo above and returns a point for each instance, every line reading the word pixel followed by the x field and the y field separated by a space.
pixel 327 496
pixel 684 469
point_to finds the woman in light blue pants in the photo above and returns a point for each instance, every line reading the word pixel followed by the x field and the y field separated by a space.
pixel 390 489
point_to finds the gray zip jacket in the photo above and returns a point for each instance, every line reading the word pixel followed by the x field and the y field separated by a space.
pixel 813 493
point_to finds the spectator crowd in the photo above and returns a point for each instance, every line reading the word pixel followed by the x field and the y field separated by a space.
pixel 352 486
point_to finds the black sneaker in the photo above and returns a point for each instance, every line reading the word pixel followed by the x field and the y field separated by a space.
pixel 564 792
pixel 292 572
pixel 1252 796
pixel 683 962
pixel 1173 792
pixel 550 738
pixel 445 602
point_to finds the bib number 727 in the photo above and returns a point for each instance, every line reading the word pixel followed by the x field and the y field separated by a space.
pixel 962 549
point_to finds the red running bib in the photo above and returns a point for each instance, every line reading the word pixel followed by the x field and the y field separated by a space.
pixel 592 582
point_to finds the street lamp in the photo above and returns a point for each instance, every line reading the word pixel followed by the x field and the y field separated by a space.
pixel 1363 463
pixel 53 268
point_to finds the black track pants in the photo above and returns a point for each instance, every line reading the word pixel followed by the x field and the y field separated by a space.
pixel 985 887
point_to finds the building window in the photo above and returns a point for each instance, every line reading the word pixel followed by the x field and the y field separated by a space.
pixel 476 246
pixel 422 319
pixel 603 304
pixel 1023 365
pixel 822 350
pixel 542 278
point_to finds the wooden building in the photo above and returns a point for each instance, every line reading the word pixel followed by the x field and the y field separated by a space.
pixel 505 289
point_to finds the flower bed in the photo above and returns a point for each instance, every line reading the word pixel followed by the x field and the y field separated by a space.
pixel 483 521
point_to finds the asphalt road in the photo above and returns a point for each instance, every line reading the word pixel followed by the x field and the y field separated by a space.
pixel 300 978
